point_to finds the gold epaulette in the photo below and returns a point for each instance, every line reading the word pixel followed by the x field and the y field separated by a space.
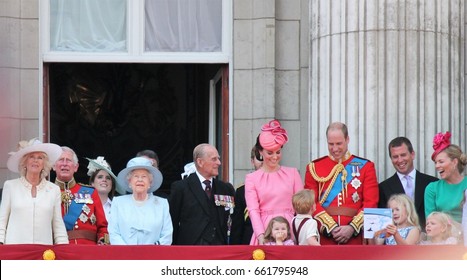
pixel 357 222
pixel 327 222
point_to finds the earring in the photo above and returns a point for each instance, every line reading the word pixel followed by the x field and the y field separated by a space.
pixel 260 158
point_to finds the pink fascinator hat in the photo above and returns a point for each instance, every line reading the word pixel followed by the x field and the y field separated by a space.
pixel 272 136
pixel 440 142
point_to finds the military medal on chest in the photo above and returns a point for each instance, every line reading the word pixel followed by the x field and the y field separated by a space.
pixel 356 183
pixel 84 197
pixel 355 197
pixel 225 200
pixel 86 209
pixel 83 218
pixel 93 219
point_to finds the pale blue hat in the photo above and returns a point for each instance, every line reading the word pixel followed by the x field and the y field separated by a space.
pixel 139 163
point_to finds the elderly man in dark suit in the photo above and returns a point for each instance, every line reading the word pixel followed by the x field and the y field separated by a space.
pixel 407 179
pixel 201 205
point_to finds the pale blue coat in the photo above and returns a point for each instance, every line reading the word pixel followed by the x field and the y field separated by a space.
pixel 146 224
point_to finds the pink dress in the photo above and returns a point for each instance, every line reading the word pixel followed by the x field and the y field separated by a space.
pixel 269 195
pixel 287 242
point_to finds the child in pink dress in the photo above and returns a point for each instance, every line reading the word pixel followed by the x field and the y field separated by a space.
pixel 278 232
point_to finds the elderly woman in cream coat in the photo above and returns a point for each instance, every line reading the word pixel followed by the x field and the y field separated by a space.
pixel 30 210
pixel 140 218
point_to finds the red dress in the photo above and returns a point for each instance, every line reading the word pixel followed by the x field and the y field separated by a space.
pixel 90 225
pixel 342 191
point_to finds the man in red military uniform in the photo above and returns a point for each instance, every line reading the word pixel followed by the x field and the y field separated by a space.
pixel 344 184
pixel 82 208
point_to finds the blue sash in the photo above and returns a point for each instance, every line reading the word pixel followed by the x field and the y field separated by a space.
pixel 337 187
pixel 75 208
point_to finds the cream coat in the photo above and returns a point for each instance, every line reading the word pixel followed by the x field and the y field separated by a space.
pixel 28 220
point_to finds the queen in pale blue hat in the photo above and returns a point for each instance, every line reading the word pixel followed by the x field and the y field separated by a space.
pixel 140 218
pixel 135 164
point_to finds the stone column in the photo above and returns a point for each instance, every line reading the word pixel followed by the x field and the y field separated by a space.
pixel 387 68
pixel 19 77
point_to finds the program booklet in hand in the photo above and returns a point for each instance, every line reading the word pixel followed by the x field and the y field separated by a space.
pixel 375 219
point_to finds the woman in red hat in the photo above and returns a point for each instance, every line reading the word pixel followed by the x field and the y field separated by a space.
pixel 447 194
pixel 269 190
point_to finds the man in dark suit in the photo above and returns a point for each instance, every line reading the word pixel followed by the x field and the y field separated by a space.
pixel 201 205
pixel 402 156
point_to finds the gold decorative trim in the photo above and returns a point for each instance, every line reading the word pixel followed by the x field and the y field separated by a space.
pixel 326 221
pixel 357 222
pixel 338 168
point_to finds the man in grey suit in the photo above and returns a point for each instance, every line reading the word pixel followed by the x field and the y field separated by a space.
pixel 200 205
pixel 402 156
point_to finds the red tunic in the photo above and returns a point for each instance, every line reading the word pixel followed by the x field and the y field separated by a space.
pixel 91 221
pixel 359 191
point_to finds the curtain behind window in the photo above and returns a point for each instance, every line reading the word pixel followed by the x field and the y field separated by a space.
pixel 88 25
pixel 183 25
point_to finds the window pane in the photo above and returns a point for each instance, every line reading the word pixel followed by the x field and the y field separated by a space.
pixel 88 25
pixel 183 25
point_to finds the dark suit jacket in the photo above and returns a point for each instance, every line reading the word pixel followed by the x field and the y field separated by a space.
pixel 242 230
pixel 189 209
pixel 393 185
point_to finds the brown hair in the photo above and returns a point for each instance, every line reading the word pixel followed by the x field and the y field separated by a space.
pixel 338 126
pixel 277 219
pixel 114 183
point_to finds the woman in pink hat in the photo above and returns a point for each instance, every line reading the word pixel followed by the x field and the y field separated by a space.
pixel 269 190
pixel 30 211
pixel 447 194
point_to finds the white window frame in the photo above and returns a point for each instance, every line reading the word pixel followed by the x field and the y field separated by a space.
pixel 135 42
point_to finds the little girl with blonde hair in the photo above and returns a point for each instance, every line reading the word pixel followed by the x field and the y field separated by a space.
pixel 405 229
pixel 440 230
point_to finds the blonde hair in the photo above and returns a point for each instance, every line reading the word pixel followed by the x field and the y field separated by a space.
pixel 455 152
pixel 303 201
pixel 44 172
pixel 277 219
pixel 451 226
pixel 405 201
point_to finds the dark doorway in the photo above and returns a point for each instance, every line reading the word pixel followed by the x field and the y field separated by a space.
pixel 116 110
